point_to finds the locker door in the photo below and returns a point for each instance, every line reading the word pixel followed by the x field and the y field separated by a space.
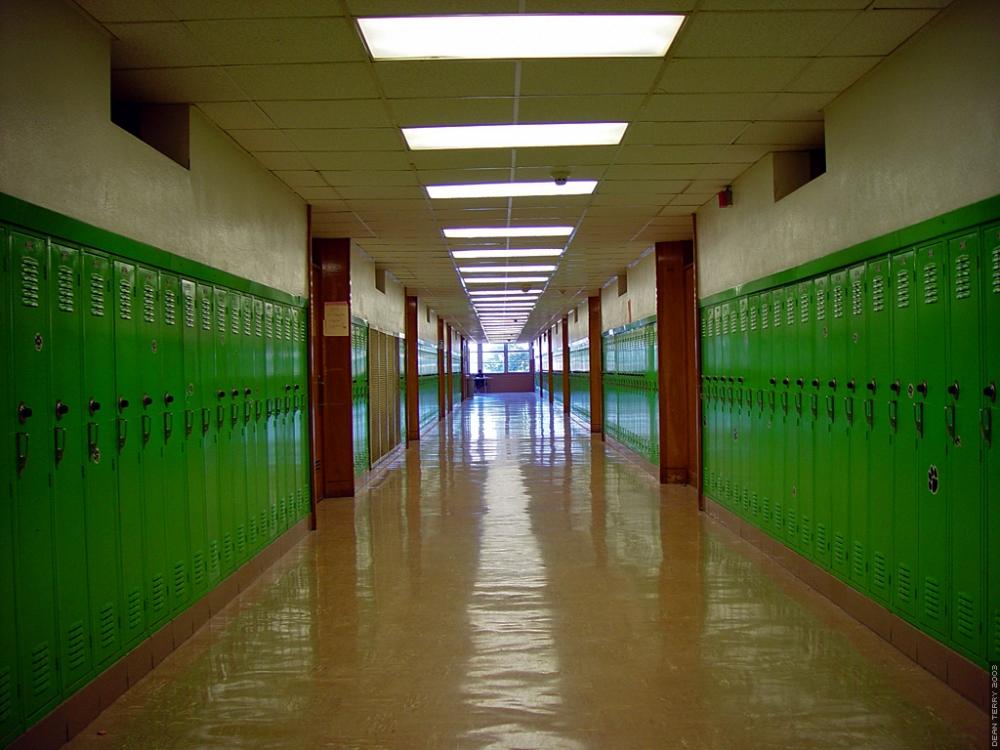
pixel 288 437
pixel 932 488
pixel 171 426
pixel 991 355
pixel 962 424
pixel 705 352
pixel 302 381
pixel 69 509
pixel 270 360
pixel 30 401
pixel 779 461
pixel 728 354
pixel 237 458
pixel 754 407
pixel 743 406
pixel 822 412
pixel 840 405
pixel 903 430
pixel 807 412
pixel 247 425
pixel 149 331
pixel 878 397
pixel 10 713
pixel 209 424
pixel 768 395
pixel 793 415
pixel 281 465
pixel 856 406
pixel 194 394
pixel 224 429
pixel 296 380
pixel 128 403
pixel 260 424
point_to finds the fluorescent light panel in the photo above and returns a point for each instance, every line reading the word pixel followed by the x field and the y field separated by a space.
pixel 522 36
pixel 504 292
pixel 506 269
pixel 526 253
pixel 511 189
pixel 504 279
pixel 477 300
pixel 551 134
pixel 465 232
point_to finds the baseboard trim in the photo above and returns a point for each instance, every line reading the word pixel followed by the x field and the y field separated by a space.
pixel 967 678
pixel 71 716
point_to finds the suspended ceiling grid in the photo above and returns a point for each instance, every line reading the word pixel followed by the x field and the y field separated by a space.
pixel 292 83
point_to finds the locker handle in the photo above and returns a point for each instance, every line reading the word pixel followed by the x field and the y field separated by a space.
pixel 22 442
pixel 288 387
pixel 168 425
pixel 94 406
pixel 830 405
pixel 760 400
pixel 893 414
pixel 122 404
pixel 833 384
pixel 953 389
pixel 896 387
pixel 814 405
pixel 784 382
pixel 23 412
pixel 986 423
pixel 257 409
pixel 784 402
pixel 918 417
pixel 188 421
pixel 297 385
pixel 990 391
pixel 234 413
pixel 147 427
pixel 247 391
pixel 849 409
pixel 922 388
pixel 236 392
pixel 798 403
pixel 122 432
pixel 738 380
pixel 949 420
pixel 61 409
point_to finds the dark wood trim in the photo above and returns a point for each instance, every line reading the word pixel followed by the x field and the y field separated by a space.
pixel 441 374
pixel 412 371
pixel 565 363
pixel 314 354
pixel 449 391
pixel 594 323
pixel 552 394
pixel 699 458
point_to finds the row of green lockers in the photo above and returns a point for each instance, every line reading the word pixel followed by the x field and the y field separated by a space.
pixel 155 440
pixel 851 417
pixel 363 410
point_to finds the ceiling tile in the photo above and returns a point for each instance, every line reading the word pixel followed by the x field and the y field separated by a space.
pixel 565 157
pixel 444 79
pixel 467 159
pixel 289 160
pixel 832 74
pixel 263 140
pixel 878 32
pixel 471 111
pixel 304 81
pixel 324 193
pixel 689 154
pixel 174 85
pixel 725 171
pixel 704 107
pixel 796 107
pixel 683 133
pixel 348 160
pixel 641 186
pixel 155 45
pixel 429 7
pixel 598 108
pixel 198 9
pixel 370 177
pixel 715 74
pixel 278 40
pixel 583 76
pixel 109 11
pixel 750 34
pixel 772 5
pixel 809 133
pixel 300 178
pixel 346 139
pixel 364 113
pixel 654 171
pixel 380 192
pixel 236 115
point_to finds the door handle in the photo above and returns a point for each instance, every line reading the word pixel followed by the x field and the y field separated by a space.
pixel 168 425
pixel 60 443
pixel 234 413
pixel 918 417
pixel 93 438
pixel 849 409
pixel 122 432
pixel 22 443
pixel 986 423
pixel 893 414
pixel 870 411
pixel 147 427
pixel 188 421
pixel 949 420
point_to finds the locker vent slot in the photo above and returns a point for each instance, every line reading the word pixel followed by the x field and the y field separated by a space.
pixel 902 288
pixel 839 549
pixel 821 540
pixel 838 302
pixel 169 307
pixel 148 303
pixel 791 522
pixel 97 295
pixel 220 315
pixel 879 579
pixel 764 310
pixel 241 539
pixel 198 565
pixel 776 317
pixel 158 593
pixel 125 299
pixel 857 297
pixel 263 523
pixel 189 310
pixel 790 310
pixel 253 528
pixel 67 288
pixel 258 323
pixel 930 283
pixel 963 285
pixel 744 321
pixel 227 547
pixel 269 326
pixel 858 560
pixel 820 304
pixel 753 318
pixel 76 646
pixel 996 634
pixel 108 633
pixel 213 558
pixel 29 281
pixel 41 670
pixel 134 605
pixel 804 308
pixel 995 258
pixel 180 581
pixel 765 509
pixel 206 314
pixel 754 504
pixel 6 695
pixel 235 321
pixel 965 617
pixel 878 293
pixel 247 322
pixel 805 530
pixel 932 598
pixel 904 583
pixel 778 517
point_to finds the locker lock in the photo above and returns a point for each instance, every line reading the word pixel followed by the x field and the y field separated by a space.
pixel 851 384
pixel 990 391
pixel 247 391
pixel 800 382
pixel 815 382
pixel 871 385
pixel 296 386
pixel 168 398
pixel 784 382
pixel 147 399
pixel 122 404
pixel 953 389
pixel 221 394
pixel 833 384
pixel 94 406
pixel 288 387
pixel 922 388
pixel 61 410
pixel 896 387
pixel 236 392
pixel 24 412
pixel 774 381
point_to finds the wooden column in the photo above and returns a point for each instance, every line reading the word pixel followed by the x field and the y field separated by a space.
pixel 673 339
pixel 412 372
pixel 551 383
pixel 314 356
pixel 332 409
pixel 449 389
pixel 596 366
pixel 442 374
pixel 565 363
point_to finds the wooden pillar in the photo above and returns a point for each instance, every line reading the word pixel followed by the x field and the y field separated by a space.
pixel 412 372
pixel 332 409
pixel 449 388
pixel 442 375
pixel 551 383
pixel 596 366
pixel 314 356
pixel 565 363
pixel 672 353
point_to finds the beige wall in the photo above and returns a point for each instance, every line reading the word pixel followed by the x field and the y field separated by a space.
pixel 383 310
pixel 60 150
pixel 426 330
pixel 581 328
pixel 918 136
pixel 641 293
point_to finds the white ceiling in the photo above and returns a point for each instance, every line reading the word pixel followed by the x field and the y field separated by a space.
pixel 292 83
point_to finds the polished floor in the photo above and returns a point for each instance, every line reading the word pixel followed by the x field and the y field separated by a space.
pixel 513 583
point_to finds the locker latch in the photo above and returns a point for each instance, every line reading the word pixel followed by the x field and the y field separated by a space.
pixel 93 447
pixel 168 424
pixel 147 427
pixel 188 421
pixel 22 441
pixel 830 406
pixel 122 432
pixel 206 419
pixel 893 414
pixel 918 417
pixel 870 411
pixel 849 409
pixel 986 423
pixel 60 443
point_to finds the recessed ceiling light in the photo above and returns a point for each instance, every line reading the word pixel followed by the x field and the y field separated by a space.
pixel 506 269
pixel 499 253
pixel 504 292
pixel 522 36
pixel 522 298
pixel 503 279
pixel 508 232
pixel 512 189
pixel 549 134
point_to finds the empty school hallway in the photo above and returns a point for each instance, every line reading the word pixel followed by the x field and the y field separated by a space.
pixel 514 583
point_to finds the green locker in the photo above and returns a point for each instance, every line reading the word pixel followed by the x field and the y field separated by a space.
pixel 755 407
pixel 933 593
pixel 708 416
pixel 822 409
pixel 841 406
pixel 793 412
pixel 128 403
pixel 879 395
pixel 903 436
pixel 10 723
pixel 856 407
pixel 965 467
pixel 149 354
pixel 270 363
pixel 32 407
pixel 780 433
pixel 172 428
pixel 299 409
pixel 991 355
pixel 211 418
pixel 768 438
pixel 726 432
pixel 193 396
pixel 278 381
pixel 806 413
pixel 236 458
pixel 291 472
pixel 259 425
pixel 225 408
pixel 743 436
pixel 248 426
pixel 68 506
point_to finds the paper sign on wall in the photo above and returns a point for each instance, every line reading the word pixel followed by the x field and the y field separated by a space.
pixel 336 319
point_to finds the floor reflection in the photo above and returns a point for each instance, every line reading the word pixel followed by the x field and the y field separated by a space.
pixel 511 582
